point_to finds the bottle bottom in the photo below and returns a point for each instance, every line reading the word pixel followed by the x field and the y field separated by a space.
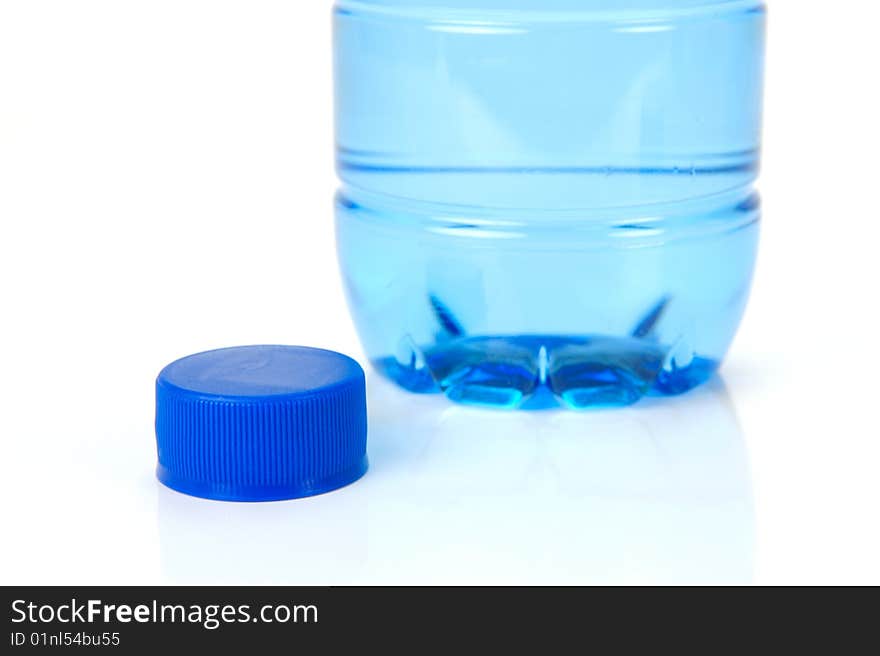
pixel 524 309
pixel 537 372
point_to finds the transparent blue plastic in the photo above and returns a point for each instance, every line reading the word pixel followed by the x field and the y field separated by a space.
pixel 548 201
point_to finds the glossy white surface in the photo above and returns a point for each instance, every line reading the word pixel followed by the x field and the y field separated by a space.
pixel 165 187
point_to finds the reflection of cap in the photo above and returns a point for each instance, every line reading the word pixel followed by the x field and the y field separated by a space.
pixel 261 423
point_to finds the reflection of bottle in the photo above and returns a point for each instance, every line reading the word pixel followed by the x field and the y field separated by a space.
pixel 548 194
pixel 658 493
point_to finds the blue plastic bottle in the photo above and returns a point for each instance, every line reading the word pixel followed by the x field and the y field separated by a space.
pixel 548 200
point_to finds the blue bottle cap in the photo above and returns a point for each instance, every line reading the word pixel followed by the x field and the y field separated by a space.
pixel 261 423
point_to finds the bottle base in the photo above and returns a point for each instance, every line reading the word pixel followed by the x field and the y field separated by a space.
pixel 537 372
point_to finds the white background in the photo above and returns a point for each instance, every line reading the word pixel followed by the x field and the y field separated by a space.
pixel 166 174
